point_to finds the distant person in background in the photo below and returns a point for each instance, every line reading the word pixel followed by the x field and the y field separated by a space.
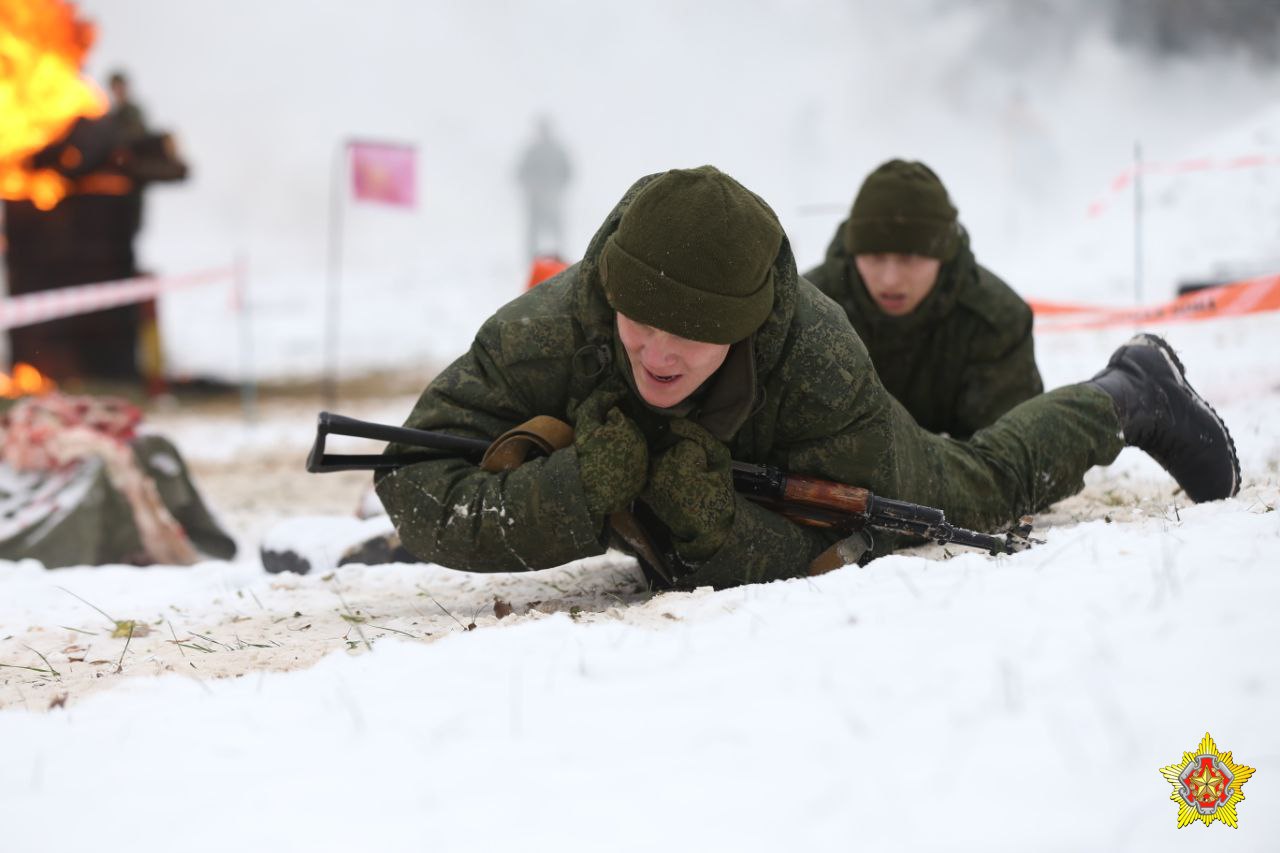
pixel 131 124
pixel 544 173
pixel 950 340
pixel 129 127
pixel 135 151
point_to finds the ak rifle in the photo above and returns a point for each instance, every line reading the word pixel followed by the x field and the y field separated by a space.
pixel 805 500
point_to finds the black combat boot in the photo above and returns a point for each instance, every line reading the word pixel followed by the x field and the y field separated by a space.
pixel 1163 415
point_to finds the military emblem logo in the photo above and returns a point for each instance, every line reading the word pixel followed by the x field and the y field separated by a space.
pixel 1206 785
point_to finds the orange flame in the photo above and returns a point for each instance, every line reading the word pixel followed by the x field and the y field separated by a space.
pixel 26 380
pixel 42 46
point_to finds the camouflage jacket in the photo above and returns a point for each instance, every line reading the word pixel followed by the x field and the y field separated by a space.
pixel 815 407
pixel 960 360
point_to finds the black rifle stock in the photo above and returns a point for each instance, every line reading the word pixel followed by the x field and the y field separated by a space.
pixel 806 500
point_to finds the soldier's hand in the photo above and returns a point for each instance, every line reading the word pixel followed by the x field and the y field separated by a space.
pixel 613 458
pixel 691 490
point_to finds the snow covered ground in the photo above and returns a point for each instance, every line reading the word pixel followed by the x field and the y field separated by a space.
pixel 928 701
pixel 923 702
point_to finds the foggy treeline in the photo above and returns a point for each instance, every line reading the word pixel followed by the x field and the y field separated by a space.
pixel 1195 27
pixel 1018 29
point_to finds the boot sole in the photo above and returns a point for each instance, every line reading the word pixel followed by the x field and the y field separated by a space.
pixel 1181 372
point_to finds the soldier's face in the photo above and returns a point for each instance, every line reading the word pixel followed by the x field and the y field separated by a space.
pixel 898 283
pixel 667 368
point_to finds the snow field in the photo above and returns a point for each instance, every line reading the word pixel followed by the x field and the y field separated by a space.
pixel 1020 703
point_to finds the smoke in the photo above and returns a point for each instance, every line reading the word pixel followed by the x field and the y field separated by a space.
pixel 1026 108
pixel 1199 28
pixel 1024 33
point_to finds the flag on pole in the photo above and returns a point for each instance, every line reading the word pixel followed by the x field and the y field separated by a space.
pixel 380 172
pixel 383 172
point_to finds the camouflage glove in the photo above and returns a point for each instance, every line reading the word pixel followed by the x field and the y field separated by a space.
pixel 691 491
pixel 613 458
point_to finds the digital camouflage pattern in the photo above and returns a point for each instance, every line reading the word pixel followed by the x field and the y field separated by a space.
pixel 691 491
pixel 962 359
pixel 613 455
pixel 818 408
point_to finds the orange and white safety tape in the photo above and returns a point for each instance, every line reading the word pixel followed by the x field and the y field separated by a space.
pixel 1252 296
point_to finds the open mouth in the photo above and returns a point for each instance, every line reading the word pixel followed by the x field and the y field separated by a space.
pixel 663 380
pixel 892 302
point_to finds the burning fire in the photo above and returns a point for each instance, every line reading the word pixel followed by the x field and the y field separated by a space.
pixel 42 46
pixel 26 380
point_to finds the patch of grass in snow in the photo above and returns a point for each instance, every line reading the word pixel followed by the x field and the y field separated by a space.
pixel 47 672
pixel 354 619
pixel 129 628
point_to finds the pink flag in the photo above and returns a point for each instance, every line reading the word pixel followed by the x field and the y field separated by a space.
pixel 383 172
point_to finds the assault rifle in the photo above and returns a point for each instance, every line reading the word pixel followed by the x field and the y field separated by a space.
pixel 805 500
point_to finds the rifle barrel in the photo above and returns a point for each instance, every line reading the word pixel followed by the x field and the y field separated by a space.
pixel 820 502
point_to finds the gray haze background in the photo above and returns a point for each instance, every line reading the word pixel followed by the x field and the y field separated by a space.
pixel 1026 109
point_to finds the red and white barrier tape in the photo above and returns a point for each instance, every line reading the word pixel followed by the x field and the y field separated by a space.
pixel 1122 181
pixel 41 306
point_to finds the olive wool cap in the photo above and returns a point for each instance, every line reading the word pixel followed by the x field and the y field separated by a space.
pixel 693 255
pixel 903 208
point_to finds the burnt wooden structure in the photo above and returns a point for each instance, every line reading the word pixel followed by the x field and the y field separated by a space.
pixel 88 237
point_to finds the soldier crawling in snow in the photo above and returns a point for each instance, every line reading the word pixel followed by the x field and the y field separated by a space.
pixel 685 338
pixel 948 338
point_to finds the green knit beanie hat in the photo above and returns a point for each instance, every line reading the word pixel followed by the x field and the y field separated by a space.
pixel 693 255
pixel 903 208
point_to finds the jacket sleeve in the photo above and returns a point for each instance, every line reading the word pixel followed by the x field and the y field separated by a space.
pixel 762 546
pixel 1000 373
pixel 452 512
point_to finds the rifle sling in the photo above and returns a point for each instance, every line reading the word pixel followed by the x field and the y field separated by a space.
pixel 543 434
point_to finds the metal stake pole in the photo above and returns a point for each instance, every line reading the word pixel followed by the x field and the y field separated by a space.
pixel 1137 222
pixel 337 187
pixel 248 373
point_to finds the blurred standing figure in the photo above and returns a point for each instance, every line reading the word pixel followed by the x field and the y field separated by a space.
pixel 544 172
pixel 129 127
pixel 130 123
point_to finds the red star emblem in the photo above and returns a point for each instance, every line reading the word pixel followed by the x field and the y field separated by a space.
pixel 1207 783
